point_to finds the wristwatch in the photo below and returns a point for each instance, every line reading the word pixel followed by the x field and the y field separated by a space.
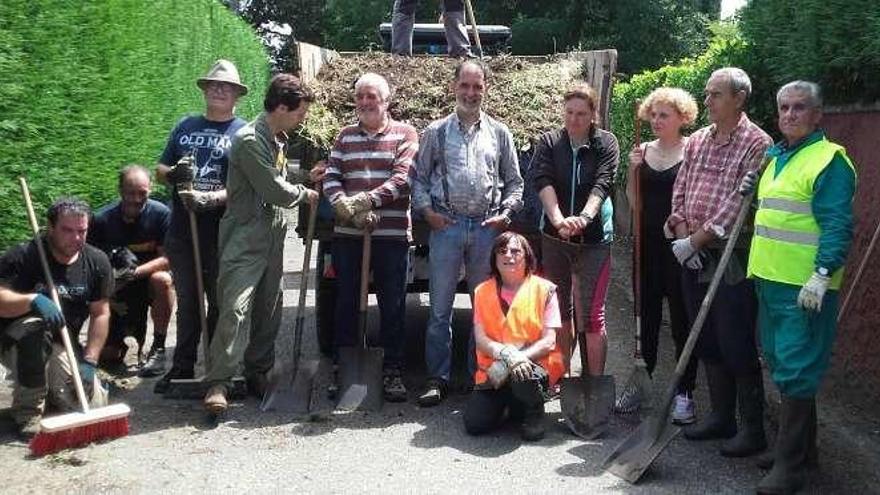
pixel 822 271
pixel 586 216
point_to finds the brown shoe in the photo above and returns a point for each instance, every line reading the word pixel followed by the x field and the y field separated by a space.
pixel 215 400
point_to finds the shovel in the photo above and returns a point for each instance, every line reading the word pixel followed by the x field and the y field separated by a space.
pixel 360 367
pixel 635 390
pixel 586 400
pixel 634 456
pixel 290 388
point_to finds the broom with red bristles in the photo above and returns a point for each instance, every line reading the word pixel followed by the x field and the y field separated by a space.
pixel 78 428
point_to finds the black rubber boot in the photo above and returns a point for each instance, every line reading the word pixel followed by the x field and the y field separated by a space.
pixel 750 438
pixel 765 460
pixel 721 421
pixel 787 475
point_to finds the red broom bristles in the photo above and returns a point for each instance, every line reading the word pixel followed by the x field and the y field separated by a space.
pixel 47 443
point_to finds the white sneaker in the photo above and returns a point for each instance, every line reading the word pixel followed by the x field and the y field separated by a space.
pixel 683 411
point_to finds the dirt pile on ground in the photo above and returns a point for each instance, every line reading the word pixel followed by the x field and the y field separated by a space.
pixel 525 94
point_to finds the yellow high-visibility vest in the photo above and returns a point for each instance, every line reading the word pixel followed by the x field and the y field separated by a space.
pixel 786 237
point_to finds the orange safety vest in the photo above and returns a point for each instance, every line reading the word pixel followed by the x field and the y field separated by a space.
pixel 522 326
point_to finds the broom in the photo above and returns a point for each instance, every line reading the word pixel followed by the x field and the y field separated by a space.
pixel 635 390
pixel 78 428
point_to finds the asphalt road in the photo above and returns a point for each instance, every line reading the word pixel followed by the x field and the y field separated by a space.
pixel 172 448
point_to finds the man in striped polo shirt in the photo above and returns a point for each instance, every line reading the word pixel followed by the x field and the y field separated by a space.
pixel 367 182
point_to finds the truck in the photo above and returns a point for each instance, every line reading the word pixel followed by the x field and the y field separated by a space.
pixel 596 67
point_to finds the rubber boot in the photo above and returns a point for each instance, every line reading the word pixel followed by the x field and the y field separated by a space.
pixel 787 475
pixel 765 460
pixel 750 438
pixel 28 405
pixel 721 421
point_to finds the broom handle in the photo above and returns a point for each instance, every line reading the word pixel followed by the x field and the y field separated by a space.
pixel 473 21
pixel 47 273
pixel 637 224
pixel 859 272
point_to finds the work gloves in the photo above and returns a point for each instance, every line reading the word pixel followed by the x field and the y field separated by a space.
pixel 355 210
pixel 182 172
pixel 123 276
pixel 810 297
pixel 748 183
pixel 365 219
pixel 199 201
pixel 519 365
pixel 686 254
pixel 50 313
pixel 87 372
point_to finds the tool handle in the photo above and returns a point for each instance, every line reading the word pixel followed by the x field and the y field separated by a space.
pixel 582 348
pixel 858 276
pixel 304 285
pixel 637 212
pixel 365 285
pixel 473 21
pixel 47 273
pixel 197 264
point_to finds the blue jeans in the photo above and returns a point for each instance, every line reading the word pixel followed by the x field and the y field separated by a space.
pixel 388 259
pixel 464 241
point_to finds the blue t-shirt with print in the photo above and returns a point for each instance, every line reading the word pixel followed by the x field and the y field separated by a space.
pixel 209 141
pixel 143 237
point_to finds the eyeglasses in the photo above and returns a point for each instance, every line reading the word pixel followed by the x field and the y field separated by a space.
pixel 220 87
pixel 515 252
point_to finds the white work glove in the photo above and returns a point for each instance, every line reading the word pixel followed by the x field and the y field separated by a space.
pixel 498 373
pixel 199 201
pixel 342 209
pixel 695 262
pixel 365 219
pixel 810 297
pixel 684 249
pixel 748 183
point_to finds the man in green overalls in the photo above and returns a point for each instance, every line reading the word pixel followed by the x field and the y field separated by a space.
pixel 252 234
pixel 803 231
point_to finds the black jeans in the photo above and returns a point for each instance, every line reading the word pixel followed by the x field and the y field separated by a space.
pixel 485 408
pixel 180 255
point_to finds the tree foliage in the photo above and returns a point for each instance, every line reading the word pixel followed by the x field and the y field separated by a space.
pixel 832 42
pixel 88 86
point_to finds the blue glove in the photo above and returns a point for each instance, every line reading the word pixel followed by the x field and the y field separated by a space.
pixel 87 375
pixel 48 311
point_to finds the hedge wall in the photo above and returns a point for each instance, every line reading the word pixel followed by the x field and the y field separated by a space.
pixel 91 85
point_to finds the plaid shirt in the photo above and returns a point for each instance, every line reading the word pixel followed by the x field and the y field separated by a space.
pixel 706 192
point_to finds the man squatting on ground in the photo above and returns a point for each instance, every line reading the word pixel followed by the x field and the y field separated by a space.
pixel 705 203
pixel 367 182
pixel 467 185
pixel 30 344
pixel 131 230
pixel 803 232
pixel 252 234
pixel 199 148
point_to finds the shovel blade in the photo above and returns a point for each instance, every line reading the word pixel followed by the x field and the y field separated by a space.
pixel 360 379
pixel 586 403
pixel 634 456
pixel 291 391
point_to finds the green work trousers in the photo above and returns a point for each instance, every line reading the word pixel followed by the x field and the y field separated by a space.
pixel 249 294
pixel 796 343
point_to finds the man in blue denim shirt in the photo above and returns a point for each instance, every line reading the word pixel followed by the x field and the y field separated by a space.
pixel 467 185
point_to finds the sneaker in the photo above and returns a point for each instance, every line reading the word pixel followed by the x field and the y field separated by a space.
pixel 684 411
pixel 215 400
pixel 393 387
pixel 433 394
pixel 165 382
pixel 155 363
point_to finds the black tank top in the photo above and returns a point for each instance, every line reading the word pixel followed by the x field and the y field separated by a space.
pixel 657 197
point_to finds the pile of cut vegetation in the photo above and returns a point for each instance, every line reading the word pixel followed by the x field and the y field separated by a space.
pixel 525 93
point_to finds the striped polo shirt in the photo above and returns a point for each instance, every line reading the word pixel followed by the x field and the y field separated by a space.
pixel 378 164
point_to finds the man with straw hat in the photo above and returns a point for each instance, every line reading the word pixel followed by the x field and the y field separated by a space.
pixel 197 153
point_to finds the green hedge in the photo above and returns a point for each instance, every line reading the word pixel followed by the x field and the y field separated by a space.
pixel 91 85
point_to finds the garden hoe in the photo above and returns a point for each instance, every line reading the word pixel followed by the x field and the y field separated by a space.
pixel 290 387
pixel 77 428
pixel 634 455
pixel 360 367
pixel 586 400
pixel 635 390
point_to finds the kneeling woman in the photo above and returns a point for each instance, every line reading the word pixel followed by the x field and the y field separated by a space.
pixel 516 315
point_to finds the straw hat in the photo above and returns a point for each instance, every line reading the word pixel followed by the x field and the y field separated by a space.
pixel 223 71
